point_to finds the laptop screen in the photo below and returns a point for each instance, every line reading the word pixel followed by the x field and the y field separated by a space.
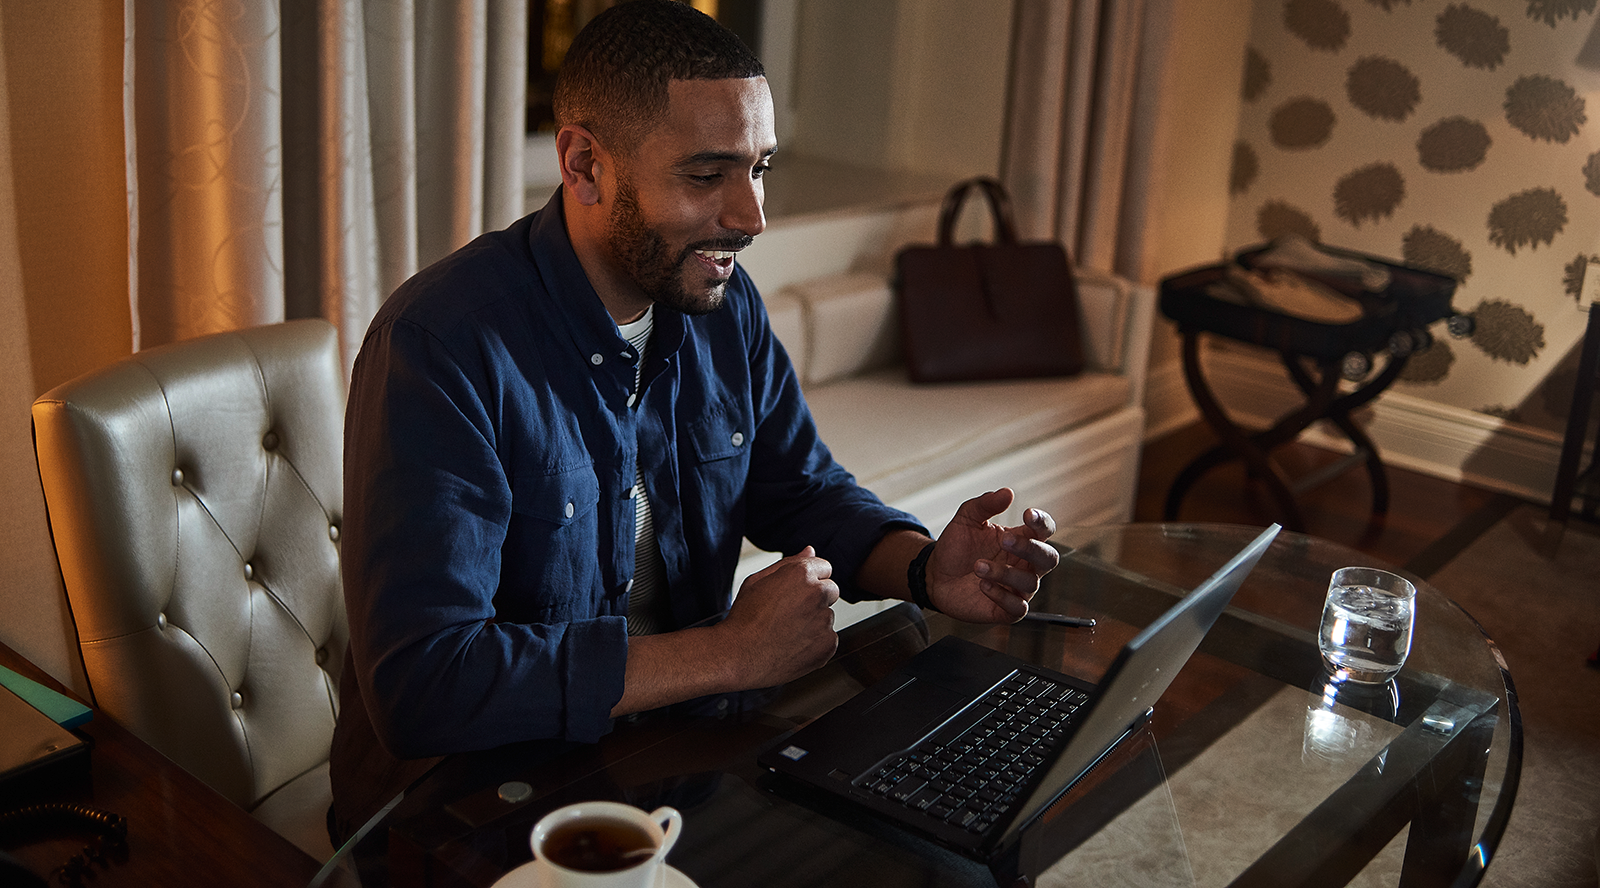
pixel 1139 675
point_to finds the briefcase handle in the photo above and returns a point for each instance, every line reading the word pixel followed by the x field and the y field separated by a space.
pixel 1005 226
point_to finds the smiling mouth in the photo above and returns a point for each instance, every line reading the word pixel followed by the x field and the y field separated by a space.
pixel 718 262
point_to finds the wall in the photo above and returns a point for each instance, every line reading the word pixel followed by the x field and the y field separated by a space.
pixel 1461 137
pixel 1194 150
pixel 63 303
pixel 915 85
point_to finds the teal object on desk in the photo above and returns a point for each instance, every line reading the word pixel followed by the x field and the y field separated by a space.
pixel 63 710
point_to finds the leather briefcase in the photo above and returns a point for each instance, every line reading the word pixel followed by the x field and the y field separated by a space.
pixel 1000 310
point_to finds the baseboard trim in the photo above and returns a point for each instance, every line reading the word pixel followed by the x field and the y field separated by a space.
pixel 1410 432
pixel 1167 405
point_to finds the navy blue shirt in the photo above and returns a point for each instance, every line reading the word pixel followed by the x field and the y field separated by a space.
pixel 490 451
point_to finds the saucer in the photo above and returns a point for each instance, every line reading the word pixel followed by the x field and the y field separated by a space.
pixel 527 876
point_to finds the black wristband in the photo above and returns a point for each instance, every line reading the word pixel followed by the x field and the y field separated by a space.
pixel 917 579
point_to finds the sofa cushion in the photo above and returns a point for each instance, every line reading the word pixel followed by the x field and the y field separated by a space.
pixel 787 317
pixel 897 437
pixel 851 326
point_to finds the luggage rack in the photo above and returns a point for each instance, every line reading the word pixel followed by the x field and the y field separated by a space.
pixel 1327 313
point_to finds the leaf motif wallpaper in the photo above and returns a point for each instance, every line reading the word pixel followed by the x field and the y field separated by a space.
pixel 1458 136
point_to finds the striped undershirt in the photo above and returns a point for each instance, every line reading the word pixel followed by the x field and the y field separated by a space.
pixel 646 601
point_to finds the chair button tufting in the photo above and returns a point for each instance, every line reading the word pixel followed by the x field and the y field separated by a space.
pixel 177 477
pixel 269 441
pixel 333 532
pixel 236 700
pixel 322 656
pixel 161 622
pixel 249 571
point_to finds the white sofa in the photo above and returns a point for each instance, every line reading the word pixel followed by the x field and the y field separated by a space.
pixel 1067 445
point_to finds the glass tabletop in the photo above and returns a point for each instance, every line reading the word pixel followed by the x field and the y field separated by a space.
pixel 1254 770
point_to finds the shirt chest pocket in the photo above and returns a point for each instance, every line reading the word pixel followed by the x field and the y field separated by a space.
pixel 720 434
pixel 550 547
pixel 559 498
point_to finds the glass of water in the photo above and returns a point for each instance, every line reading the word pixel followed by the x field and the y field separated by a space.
pixel 1366 624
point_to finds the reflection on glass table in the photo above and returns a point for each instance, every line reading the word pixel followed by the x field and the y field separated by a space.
pixel 1257 769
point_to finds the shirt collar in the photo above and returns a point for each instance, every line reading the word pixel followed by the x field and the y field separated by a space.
pixel 594 331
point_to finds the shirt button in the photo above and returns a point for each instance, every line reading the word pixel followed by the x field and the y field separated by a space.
pixel 596 360
pixel 632 400
pixel 737 439
pixel 571 510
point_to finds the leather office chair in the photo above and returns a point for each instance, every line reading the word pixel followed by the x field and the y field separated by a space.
pixel 195 492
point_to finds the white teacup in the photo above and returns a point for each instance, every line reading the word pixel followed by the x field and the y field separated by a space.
pixel 603 845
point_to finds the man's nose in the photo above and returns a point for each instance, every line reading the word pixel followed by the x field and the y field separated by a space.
pixel 742 211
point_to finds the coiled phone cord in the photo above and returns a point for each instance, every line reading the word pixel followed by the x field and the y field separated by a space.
pixel 110 841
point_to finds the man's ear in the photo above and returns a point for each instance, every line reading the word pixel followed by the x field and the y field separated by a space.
pixel 582 163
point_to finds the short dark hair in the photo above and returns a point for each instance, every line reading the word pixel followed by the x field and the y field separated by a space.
pixel 613 81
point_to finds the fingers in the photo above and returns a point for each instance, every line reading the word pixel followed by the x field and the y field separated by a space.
pixel 1011 582
pixel 1015 580
pixel 1040 522
pixel 981 508
pixel 793 579
pixel 1035 553
pixel 782 620
pixel 1013 604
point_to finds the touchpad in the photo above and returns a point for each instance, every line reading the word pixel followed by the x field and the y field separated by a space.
pixel 914 710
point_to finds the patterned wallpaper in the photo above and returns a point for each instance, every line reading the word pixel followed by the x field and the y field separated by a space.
pixel 1458 136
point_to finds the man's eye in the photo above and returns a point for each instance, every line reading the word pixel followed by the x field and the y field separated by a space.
pixel 760 171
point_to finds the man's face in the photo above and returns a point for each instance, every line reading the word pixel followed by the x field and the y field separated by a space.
pixel 690 196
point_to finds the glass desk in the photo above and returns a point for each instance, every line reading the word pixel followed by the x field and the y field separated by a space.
pixel 1253 771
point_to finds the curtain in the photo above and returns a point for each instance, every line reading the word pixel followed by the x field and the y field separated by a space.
pixel 1081 126
pixel 175 168
pixel 302 159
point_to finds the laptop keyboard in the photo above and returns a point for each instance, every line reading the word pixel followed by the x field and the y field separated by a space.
pixel 969 777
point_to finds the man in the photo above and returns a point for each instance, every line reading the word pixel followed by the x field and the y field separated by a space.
pixel 560 434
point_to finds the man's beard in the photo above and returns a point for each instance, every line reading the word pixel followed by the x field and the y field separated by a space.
pixel 644 254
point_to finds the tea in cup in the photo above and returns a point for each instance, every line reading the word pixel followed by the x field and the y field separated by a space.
pixel 604 845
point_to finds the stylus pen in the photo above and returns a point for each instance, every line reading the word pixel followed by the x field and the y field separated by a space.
pixel 1060 619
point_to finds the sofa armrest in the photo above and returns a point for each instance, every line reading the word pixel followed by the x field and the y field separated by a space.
pixel 1117 317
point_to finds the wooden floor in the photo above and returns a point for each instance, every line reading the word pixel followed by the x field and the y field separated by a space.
pixel 1423 510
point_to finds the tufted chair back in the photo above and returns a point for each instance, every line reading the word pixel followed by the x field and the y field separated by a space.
pixel 195 493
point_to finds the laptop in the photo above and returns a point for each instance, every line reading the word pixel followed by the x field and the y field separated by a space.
pixel 968 746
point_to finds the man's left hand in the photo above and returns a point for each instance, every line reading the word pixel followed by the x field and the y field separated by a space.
pixel 982 572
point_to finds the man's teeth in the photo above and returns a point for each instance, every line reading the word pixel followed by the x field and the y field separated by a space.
pixel 716 255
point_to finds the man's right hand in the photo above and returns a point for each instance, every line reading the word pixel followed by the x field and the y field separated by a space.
pixel 779 628
pixel 781 624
